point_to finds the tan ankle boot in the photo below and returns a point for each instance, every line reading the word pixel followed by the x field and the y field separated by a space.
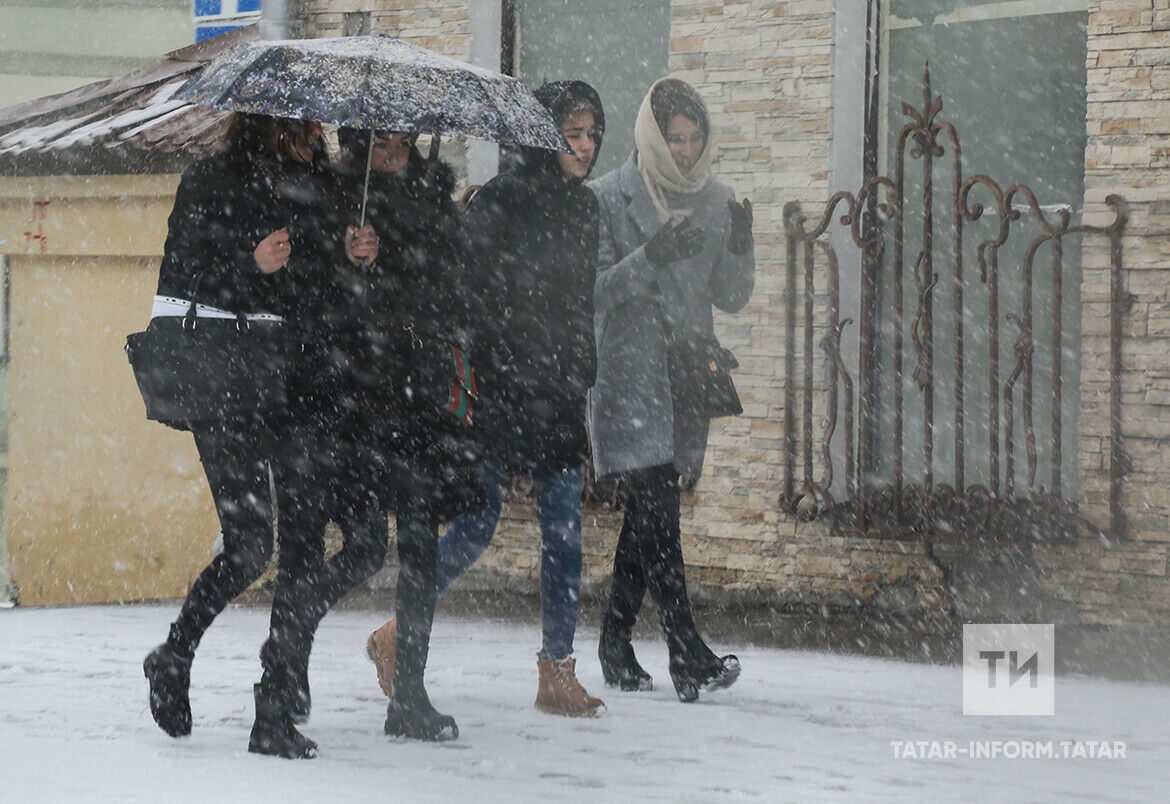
pixel 382 647
pixel 560 693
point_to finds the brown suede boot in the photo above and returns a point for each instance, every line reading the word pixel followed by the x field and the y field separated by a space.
pixel 381 647
pixel 560 693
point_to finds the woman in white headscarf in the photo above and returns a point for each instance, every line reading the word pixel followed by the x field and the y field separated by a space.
pixel 673 243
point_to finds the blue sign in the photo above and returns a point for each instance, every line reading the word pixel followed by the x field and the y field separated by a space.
pixel 214 17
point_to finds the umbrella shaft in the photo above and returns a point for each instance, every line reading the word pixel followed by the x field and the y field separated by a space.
pixel 366 186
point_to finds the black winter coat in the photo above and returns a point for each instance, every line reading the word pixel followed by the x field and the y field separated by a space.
pixel 418 286
pixel 534 238
pixel 224 206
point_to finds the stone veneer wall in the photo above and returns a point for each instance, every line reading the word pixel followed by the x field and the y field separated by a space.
pixel 441 25
pixel 1128 152
pixel 765 69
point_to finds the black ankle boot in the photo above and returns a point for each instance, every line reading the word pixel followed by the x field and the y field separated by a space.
pixel 691 676
pixel 301 703
pixel 273 732
pixel 619 666
pixel 169 675
pixel 410 714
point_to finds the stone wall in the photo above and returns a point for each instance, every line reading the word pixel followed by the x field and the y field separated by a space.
pixel 441 25
pixel 1128 153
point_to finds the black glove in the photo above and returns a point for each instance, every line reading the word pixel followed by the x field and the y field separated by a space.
pixel 674 241
pixel 740 239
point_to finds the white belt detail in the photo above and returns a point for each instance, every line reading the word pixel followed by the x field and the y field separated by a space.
pixel 171 306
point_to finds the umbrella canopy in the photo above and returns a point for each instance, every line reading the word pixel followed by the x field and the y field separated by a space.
pixel 374 82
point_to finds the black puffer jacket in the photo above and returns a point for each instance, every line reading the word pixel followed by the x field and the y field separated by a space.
pixel 419 284
pixel 534 239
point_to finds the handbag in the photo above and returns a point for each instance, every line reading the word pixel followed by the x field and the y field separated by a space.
pixel 700 377
pixel 438 375
pixel 193 369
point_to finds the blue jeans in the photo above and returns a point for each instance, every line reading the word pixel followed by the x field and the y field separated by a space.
pixel 558 505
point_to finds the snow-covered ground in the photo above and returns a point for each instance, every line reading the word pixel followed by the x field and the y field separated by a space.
pixel 798 726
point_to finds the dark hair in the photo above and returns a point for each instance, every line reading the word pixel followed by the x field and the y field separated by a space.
pixel 354 144
pixel 576 106
pixel 263 135
pixel 672 97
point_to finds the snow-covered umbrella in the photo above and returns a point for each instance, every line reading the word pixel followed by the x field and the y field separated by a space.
pixel 374 83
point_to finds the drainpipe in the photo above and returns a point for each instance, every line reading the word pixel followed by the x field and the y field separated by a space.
pixel 276 19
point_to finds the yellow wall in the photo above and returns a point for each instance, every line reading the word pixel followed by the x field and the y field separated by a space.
pixel 103 505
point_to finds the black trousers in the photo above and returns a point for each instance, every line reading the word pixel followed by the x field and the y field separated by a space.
pixel 236 462
pixel 415 494
pixel 649 557
pixel 347 492
pixel 319 481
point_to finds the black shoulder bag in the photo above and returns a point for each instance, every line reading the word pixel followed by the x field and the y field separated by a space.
pixel 193 369
pixel 700 376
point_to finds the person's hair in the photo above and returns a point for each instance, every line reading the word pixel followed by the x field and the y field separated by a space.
pixel 260 134
pixel 577 106
pixel 673 97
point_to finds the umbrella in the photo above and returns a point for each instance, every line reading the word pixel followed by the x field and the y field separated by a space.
pixel 375 83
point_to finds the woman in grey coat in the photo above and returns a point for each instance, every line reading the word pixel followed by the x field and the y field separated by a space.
pixel 673 243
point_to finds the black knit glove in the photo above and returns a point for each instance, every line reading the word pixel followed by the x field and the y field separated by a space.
pixel 674 241
pixel 740 239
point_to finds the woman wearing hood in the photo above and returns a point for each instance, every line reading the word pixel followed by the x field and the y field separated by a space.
pixel 533 233
pixel 674 243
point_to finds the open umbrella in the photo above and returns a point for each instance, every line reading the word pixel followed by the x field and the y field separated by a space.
pixel 375 83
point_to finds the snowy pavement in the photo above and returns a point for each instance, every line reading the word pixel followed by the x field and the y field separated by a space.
pixel 798 726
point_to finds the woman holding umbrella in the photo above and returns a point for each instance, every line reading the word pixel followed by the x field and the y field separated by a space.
pixel 416 293
pixel 673 243
pixel 248 234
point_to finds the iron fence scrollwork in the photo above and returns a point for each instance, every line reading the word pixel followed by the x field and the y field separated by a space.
pixel 890 504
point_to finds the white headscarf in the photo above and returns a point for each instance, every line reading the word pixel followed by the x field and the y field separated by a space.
pixel 670 189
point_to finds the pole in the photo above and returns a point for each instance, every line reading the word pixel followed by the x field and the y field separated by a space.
pixel 276 19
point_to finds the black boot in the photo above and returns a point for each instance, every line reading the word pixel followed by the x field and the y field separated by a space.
pixel 273 732
pixel 169 675
pixel 410 714
pixel 619 666
pixel 301 704
pixel 691 676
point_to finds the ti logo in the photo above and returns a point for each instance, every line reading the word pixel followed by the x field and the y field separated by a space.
pixel 1008 669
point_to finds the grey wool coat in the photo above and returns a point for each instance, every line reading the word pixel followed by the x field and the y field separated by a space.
pixel 631 418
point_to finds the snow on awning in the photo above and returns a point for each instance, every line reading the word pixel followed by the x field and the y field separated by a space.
pixel 127 124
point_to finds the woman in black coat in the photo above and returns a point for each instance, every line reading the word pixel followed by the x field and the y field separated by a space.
pixel 414 304
pixel 533 234
pixel 249 233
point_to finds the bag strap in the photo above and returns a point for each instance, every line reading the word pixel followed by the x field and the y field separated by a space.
pixel 189 319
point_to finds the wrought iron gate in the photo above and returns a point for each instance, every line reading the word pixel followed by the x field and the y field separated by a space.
pixel 993 505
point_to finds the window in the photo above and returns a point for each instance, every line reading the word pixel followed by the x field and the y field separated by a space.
pixel 619 46
pixel 1012 79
